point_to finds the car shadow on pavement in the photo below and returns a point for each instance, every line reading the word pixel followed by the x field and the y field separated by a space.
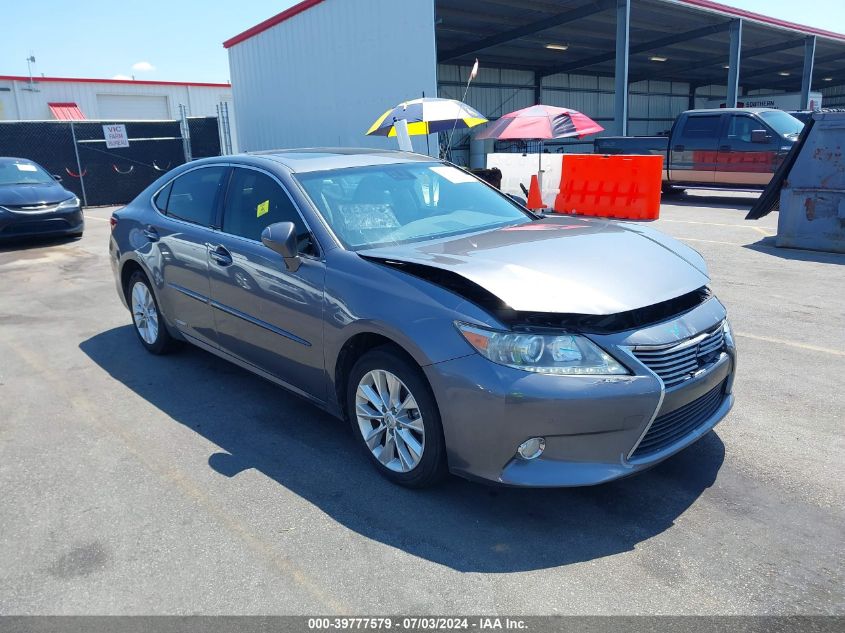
pixel 24 244
pixel 465 526
pixel 725 201
pixel 768 246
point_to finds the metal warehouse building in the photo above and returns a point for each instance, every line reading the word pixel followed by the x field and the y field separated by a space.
pixel 63 98
pixel 321 72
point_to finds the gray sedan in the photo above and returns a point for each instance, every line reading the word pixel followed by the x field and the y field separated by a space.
pixel 454 329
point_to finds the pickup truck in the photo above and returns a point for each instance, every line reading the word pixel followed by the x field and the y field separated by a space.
pixel 728 148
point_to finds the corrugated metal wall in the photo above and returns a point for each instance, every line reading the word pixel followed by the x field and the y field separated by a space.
pixel 653 105
pixel 833 97
pixel 323 76
pixel 19 102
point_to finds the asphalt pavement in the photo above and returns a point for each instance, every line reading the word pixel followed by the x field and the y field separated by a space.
pixel 135 484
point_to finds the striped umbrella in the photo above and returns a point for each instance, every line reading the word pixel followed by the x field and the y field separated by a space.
pixel 428 116
pixel 541 122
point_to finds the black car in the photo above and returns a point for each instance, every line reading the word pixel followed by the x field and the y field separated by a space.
pixel 33 203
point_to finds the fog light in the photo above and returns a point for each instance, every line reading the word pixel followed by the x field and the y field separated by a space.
pixel 532 449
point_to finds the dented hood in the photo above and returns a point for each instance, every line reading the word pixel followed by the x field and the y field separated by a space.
pixel 564 265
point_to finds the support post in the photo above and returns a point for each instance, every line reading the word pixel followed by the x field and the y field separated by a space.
pixel 807 76
pixel 620 110
pixel 734 63
pixel 78 165
pixel 538 87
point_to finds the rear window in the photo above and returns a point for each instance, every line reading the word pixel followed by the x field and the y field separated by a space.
pixel 701 127
pixel 193 196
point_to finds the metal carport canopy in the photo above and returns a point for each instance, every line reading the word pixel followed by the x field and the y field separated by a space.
pixel 692 35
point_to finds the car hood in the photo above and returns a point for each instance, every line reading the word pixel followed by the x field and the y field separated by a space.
pixel 33 194
pixel 564 265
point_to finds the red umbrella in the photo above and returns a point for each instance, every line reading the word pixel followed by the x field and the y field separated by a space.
pixel 541 122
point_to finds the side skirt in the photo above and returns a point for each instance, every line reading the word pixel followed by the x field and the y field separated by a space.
pixel 263 374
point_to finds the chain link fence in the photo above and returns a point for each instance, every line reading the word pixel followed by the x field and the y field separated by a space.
pixel 77 151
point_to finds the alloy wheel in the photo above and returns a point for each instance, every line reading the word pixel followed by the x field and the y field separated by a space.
pixel 390 420
pixel 144 313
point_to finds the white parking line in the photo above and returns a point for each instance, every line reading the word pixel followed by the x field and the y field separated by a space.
pixel 693 239
pixel 780 341
pixel 762 230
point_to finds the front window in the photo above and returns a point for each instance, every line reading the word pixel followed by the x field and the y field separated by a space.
pixel 782 123
pixel 407 202
pixel 23 173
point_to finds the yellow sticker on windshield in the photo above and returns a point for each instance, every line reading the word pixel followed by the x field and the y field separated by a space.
pixel 262 208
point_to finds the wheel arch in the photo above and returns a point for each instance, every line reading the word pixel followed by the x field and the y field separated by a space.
pixel 354 347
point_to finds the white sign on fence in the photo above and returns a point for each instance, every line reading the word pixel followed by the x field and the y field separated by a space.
pixel 115 136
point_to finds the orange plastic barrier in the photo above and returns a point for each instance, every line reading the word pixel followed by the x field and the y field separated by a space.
pixel 611 186
pixel 535 200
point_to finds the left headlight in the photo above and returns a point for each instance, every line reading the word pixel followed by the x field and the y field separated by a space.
pixel 564 354
pixel 70 203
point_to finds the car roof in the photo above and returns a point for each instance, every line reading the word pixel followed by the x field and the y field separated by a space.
pixel 12 159
pixel 719 110
pixel 327 158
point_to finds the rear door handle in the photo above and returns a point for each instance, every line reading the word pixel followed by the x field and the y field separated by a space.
pixel 150 233
pixel 724 148
pixel 220 255
pixel 678 148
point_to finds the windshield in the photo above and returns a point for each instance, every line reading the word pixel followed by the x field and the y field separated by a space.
pixel 408 202
pixel 782 123
pixel 23 172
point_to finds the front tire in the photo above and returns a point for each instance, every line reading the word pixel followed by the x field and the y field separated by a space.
pixel 395 419
pixel 146 316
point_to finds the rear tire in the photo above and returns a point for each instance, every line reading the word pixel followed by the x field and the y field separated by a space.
pixel 395 419
pixel 671 192
pixel 146 316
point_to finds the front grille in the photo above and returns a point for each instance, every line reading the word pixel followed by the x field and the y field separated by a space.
pixel 678 362
pixel 45 226
pixel 32 208
pixel 668 429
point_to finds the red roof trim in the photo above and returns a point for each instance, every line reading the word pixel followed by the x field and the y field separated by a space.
pixel 68 111
pixel 270 22
pixel 88 80
pixel 701 4
pixel 759 17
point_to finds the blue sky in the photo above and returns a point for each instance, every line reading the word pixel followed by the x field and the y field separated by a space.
pixel 181 40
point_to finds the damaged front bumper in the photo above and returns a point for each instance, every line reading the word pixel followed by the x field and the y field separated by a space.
pixel 591 424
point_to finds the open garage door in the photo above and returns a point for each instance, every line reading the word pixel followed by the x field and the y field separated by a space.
pixel 129 107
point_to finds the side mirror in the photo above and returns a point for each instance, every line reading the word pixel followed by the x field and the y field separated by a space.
pixel 281 238
pixel 759 136
pixel 518 199
pixel 57 178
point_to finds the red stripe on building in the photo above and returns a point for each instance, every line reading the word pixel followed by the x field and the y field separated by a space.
pixel 765 19
pixel 91 80
pixel 270 22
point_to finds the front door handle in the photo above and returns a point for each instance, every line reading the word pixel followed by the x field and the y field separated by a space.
pixel 724 148
pixel 220 255
pixel 150 233
pixel 678 148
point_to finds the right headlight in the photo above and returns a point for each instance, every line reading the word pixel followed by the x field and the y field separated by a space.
pixel 565 354
pixel 70 203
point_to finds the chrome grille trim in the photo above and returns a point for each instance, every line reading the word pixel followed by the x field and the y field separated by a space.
pixel 672 427
pixel 676 362
pixel 31 208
